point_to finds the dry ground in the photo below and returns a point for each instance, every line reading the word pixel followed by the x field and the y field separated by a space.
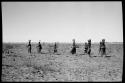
pixel 18 65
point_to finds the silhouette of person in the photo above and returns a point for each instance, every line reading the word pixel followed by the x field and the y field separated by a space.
pixel 39 47
pixel 89 46
pixel 73 51
pixel 102 47
pixel 55 48
pixel 29 46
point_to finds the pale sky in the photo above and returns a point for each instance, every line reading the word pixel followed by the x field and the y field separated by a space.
pixel 62 21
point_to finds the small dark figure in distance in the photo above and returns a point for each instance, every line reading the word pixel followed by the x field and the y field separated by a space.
pixel 89 47
pixel 55 48
pixel 73 51
pixel 102 48
pixel 86 48
pixel 39 47
pixel 29 46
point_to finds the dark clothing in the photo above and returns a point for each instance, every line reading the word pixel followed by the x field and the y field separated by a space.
pixel 29 45
pixel 55 48
pixel 89 47
pixel 74 44
pixel 89 44
pixel 29 48
pixel 102 48
pixel 73 51
pixel 103 45
pixel 39 48
pixel 89 51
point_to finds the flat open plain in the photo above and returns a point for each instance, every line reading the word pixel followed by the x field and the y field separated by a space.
pixel 18 65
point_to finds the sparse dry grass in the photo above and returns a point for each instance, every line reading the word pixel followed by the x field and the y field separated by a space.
pixel 18 65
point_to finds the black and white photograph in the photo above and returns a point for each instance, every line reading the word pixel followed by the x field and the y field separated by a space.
pixel 68 41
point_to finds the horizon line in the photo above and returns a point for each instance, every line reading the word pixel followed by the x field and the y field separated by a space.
pixel 60 42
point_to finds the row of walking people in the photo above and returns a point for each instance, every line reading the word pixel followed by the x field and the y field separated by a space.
pixel 39 47
pixel 87 47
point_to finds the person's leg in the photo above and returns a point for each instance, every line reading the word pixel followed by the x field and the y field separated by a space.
pixel 88 51
pixel 105 51
pixel 55 50
pixel 73 50
pixel 30 49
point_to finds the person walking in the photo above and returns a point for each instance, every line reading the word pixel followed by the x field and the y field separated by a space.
pixel 29 46
pixel 102 48
pixel 55 48
pixel 39 47
pixel 73 51
pixel 89 47
pixel 86 48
